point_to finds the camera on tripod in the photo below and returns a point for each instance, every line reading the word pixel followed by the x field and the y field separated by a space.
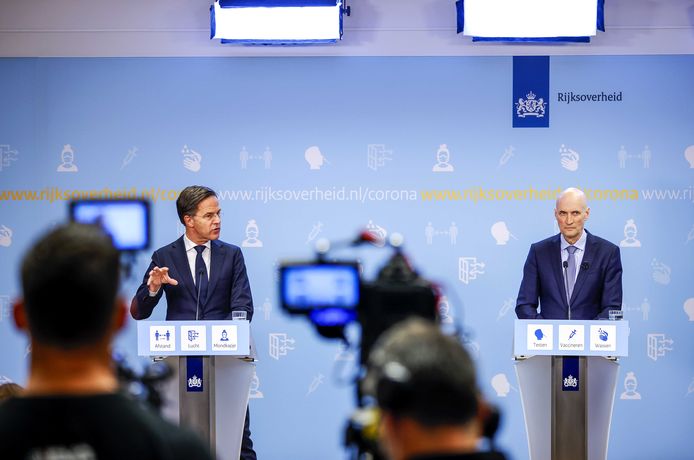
pixel 332 294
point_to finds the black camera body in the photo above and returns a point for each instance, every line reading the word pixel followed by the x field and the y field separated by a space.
pixel 333 295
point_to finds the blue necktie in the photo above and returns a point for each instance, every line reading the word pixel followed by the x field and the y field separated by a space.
pixel 201 274
pixel 571 269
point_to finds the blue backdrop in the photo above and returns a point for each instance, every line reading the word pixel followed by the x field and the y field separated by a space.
pixel 302 149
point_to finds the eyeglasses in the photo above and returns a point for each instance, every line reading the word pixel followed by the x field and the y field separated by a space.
pixel 210 215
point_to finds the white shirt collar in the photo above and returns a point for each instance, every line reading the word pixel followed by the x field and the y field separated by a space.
pixel 188 243
pixel 580 244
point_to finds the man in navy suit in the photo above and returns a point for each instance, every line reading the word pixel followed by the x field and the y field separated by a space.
pixel 203 278
pixel 589 268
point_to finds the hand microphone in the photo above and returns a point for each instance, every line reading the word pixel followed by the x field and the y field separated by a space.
pixel 197 300
pixel 565 264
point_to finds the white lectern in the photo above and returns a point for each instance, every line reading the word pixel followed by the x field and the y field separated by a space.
pixel 214 367
pixel 567 372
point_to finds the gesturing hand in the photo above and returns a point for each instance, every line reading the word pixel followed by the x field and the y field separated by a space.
pixel 159 276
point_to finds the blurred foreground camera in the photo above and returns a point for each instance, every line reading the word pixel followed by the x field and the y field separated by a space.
pixel 127 221
pixel 143 386
pixel 333 295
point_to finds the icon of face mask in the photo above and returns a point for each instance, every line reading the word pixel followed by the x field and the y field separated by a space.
pixel 252 231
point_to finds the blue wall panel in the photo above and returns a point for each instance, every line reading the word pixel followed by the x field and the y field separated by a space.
pixel 166 123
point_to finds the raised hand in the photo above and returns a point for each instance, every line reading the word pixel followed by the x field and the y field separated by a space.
pixel 159 276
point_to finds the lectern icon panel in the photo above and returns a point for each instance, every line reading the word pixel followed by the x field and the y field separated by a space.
pixel 540 337
pixel 193 338
pixel 224 338
pixel 162 338
pixel 603 338
pixel 572 337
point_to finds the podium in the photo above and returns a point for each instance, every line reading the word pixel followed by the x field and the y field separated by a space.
pixel 567 373
pixel 213 368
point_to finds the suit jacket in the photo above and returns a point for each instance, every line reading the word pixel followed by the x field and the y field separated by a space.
pixel 598 287
pixel 228 288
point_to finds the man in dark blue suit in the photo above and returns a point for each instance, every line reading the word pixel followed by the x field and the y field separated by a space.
pixel 589 268
pixel 203 278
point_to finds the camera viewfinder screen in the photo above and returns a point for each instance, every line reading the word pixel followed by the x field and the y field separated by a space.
pixel 126 221
pixel 320 286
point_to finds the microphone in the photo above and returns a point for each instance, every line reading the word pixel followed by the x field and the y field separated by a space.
pixel 585 265
pixel 565 264
pixel 197 300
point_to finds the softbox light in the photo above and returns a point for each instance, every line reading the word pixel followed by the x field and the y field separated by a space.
pixel 530 20
pixel 276 22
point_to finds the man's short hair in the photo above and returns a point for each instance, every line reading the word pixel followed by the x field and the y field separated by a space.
pixel 418 372
pixel 189 199
pixel 70 282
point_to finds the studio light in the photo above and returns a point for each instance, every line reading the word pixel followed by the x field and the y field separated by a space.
pixel 530 20
pixel 277 22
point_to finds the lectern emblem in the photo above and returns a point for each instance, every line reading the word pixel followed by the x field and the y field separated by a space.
pixel 194 382
pixel 570 381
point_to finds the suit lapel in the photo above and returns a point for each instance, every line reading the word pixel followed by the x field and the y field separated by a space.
pixel 585 261
pixel 182 267
pixel 217 255
pixel 557 268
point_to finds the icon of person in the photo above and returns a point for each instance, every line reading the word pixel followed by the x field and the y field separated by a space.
pixel 501 385
pixel 646 157
pixel 67 157
pixel 630 232
pixel 168 335
pixel 267 308
pixel 443 157
pixel 500 233
pixel 252 232
pixel 243 157
pixel 622 157
pixel 267 157
pixel 314 157
pixel 225 337
pixel 630 384
pixel 645 308
pixel 156 335
pixel 689 308
pixel 429 233
pixel 453 233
